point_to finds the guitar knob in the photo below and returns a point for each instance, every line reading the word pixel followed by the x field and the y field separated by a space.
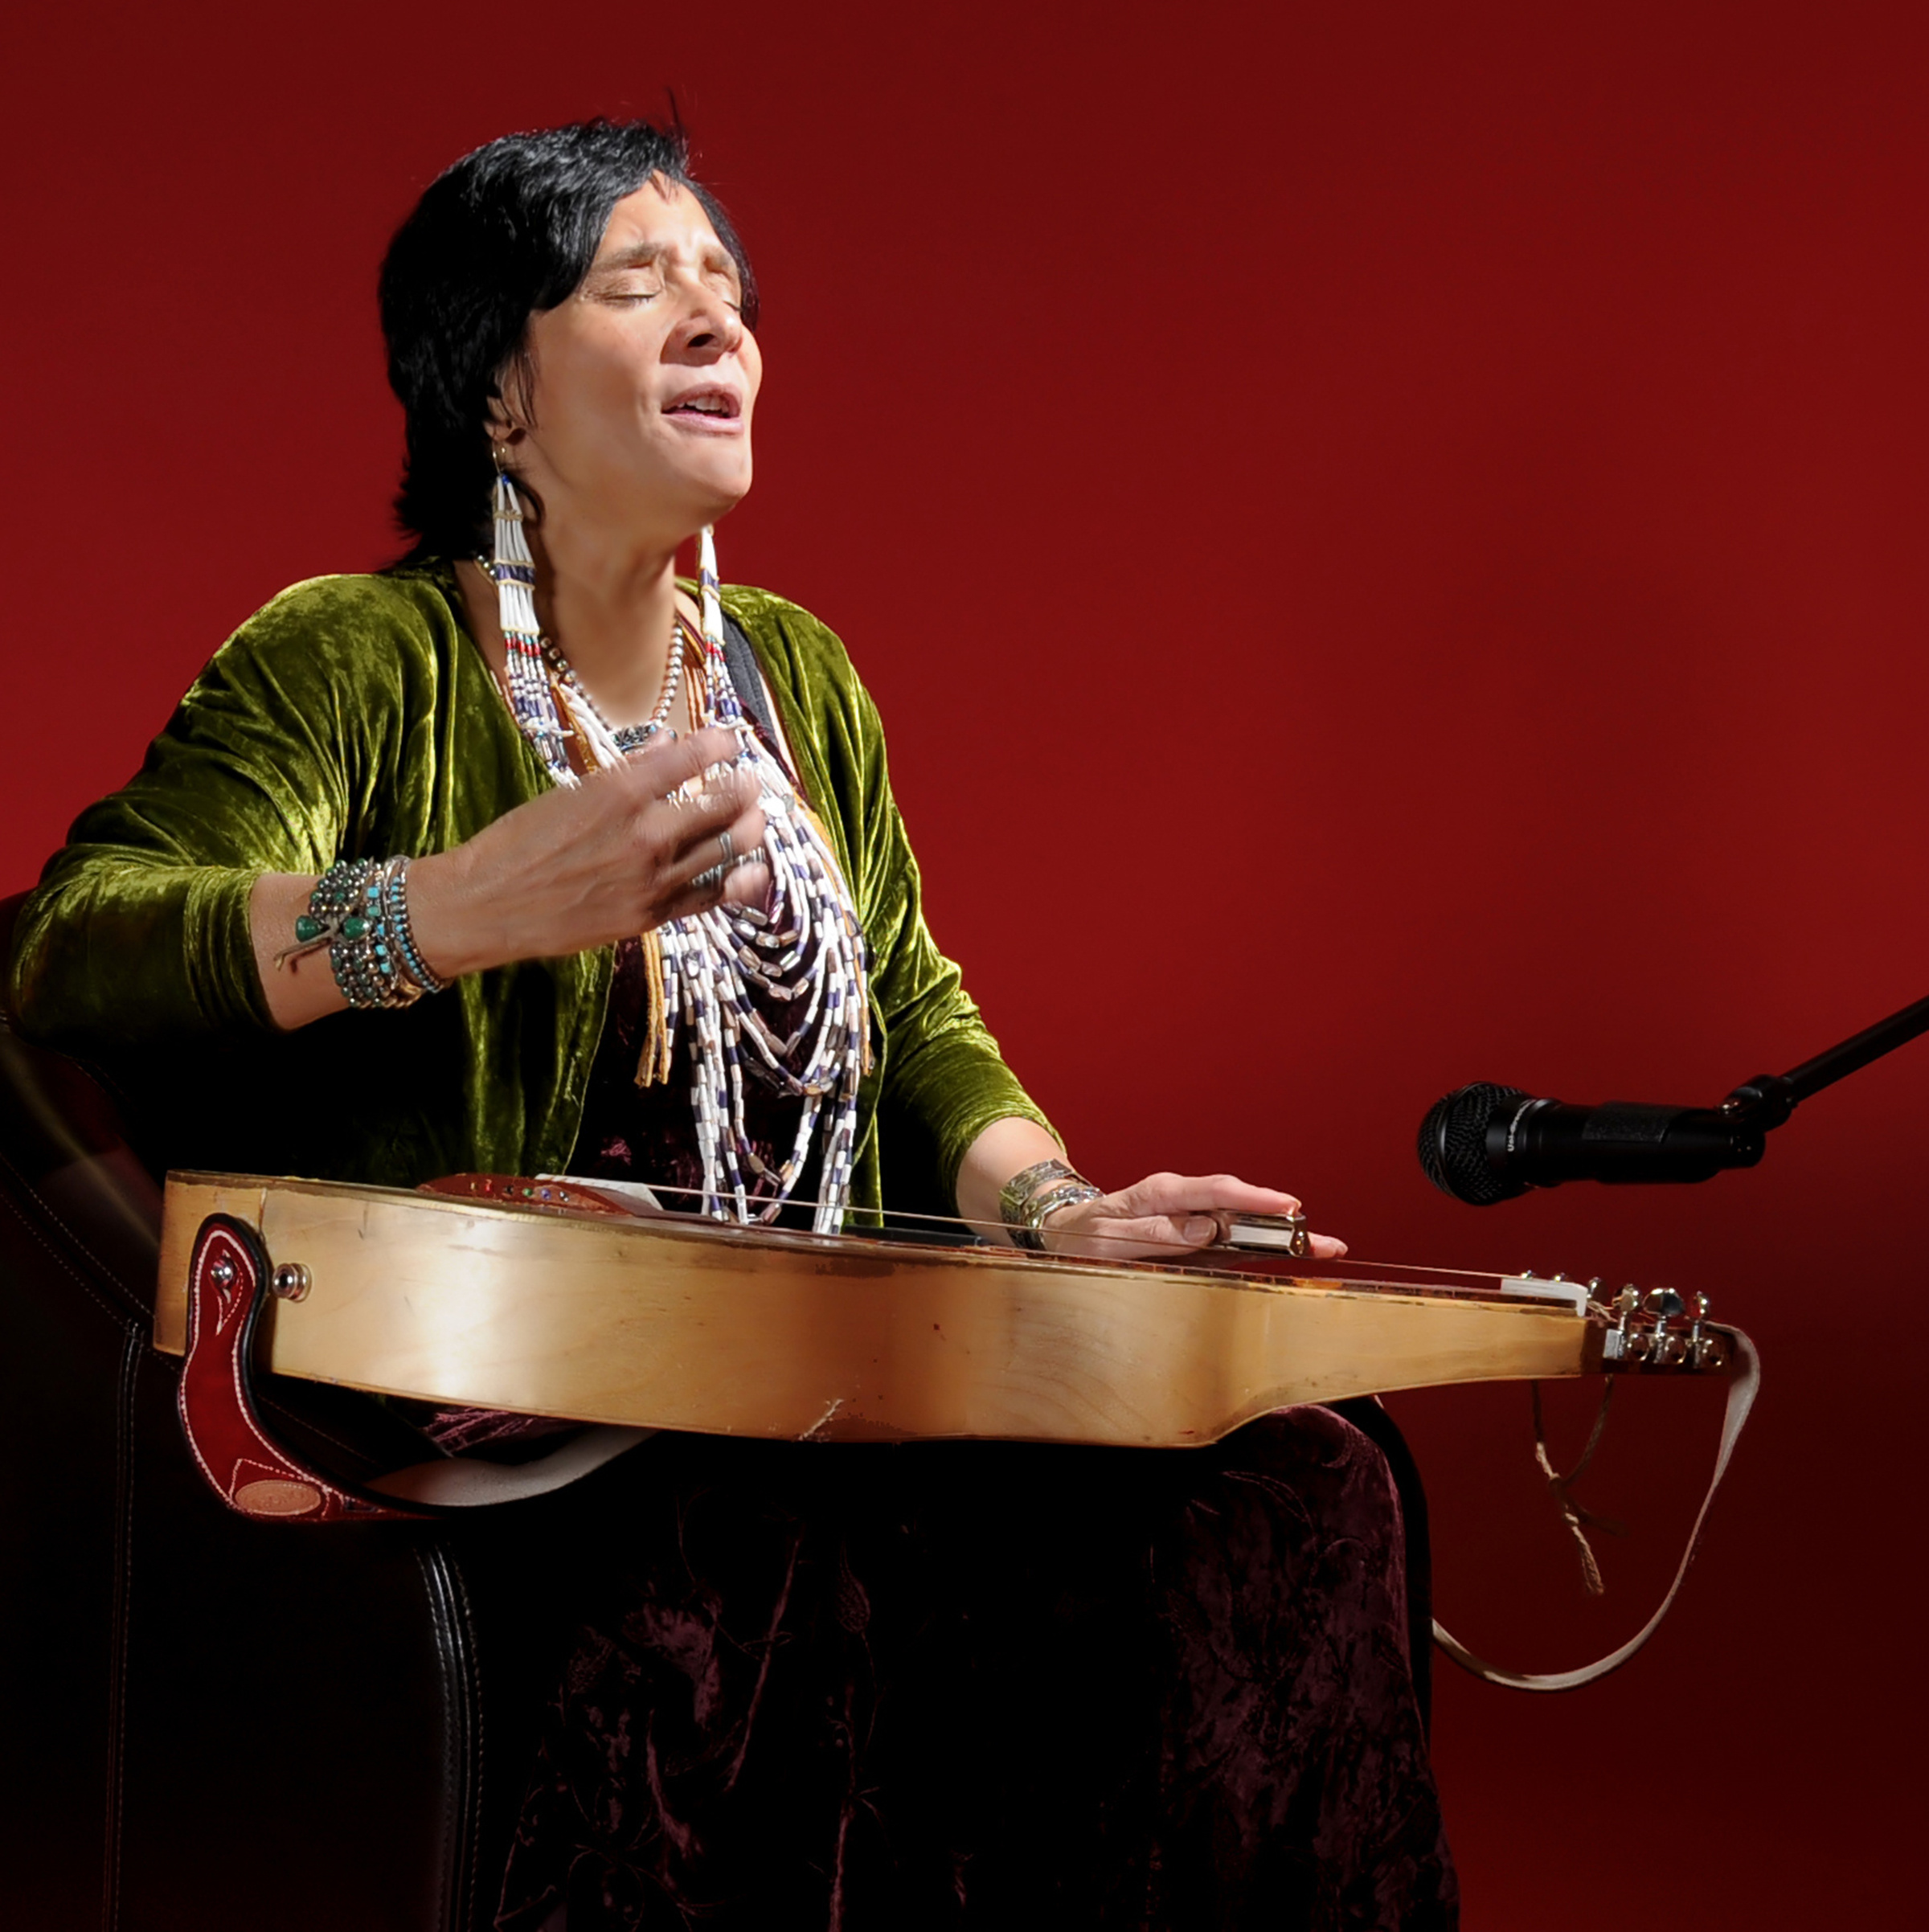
pixel 291 1282
pixel 1664 1304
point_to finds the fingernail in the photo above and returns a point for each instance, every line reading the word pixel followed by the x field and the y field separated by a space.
pixel 1200 1229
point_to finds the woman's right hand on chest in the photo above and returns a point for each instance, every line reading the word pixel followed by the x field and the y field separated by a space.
pixel 578 867
pixel 575 869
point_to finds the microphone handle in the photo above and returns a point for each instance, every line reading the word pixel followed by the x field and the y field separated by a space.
pixel 1546 1142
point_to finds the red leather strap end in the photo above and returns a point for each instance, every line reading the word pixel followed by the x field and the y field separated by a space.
pixel 244 1464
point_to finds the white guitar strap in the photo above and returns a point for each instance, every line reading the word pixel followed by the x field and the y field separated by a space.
pixel 1745 1378
pixel 459 1482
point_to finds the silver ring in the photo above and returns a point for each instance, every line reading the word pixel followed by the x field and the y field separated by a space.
pixel 726 846
pixel 711 875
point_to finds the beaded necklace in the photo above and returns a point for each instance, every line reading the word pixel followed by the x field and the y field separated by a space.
pixel 800 953
pixel 624 738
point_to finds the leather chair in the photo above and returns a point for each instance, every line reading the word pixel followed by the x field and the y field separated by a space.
pixel 211 1721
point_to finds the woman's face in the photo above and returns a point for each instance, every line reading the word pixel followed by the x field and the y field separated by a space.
pixel 643 380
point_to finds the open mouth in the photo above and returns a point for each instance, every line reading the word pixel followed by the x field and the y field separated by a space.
pixel 706 405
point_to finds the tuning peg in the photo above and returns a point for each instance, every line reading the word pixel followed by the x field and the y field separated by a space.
pixel 1664 1303
pixel 1703 1350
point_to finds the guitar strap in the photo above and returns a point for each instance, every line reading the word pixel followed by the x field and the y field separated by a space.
pixel 1745 1379
pixel 459 1483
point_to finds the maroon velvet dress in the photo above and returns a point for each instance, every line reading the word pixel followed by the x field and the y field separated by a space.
pixel 867 1688
pixel 872 1689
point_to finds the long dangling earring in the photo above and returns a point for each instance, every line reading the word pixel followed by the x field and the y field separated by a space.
pixel 723 704
pixel 514 569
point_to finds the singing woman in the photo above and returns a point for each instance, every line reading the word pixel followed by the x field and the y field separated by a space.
pixel 526 855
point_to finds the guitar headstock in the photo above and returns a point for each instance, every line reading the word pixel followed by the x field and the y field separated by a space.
pixel 1662 1329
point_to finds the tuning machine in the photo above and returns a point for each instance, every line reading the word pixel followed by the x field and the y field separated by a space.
pixel 1660 1329
pixel 1663 1306
pixel 1624 1342
pixel 1705 1349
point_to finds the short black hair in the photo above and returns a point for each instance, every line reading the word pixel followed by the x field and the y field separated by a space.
pixel 507 232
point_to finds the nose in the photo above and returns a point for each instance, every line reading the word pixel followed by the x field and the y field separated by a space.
pixel 708 329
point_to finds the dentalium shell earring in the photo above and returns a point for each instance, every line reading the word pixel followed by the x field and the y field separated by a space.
pixel 530 698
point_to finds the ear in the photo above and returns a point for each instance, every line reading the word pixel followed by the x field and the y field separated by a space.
pixel 512 409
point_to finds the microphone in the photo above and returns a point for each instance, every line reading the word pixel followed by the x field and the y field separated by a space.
pixel 1483 1144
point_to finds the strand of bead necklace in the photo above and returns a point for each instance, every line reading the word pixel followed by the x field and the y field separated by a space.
pixel 587 714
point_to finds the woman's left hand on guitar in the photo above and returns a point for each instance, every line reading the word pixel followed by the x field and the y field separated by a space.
pixel 1169 1215
pixel 1166 1214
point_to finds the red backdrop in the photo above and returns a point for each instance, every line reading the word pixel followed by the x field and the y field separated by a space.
pixel 1407 521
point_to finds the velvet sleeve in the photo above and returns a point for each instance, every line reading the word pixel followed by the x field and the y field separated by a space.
pixel 139 930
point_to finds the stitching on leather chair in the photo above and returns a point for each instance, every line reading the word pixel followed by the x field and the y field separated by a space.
pixel 133 1351
pixel 127 1319
pixel 477 1743
pixel 107 1273
pixel 457 1652
pixel 39 1101
pixel 134 1347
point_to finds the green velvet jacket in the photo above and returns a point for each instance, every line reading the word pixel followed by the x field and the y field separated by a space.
pixel 355 717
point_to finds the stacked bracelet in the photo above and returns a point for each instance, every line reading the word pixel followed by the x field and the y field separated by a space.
pixel 394 907
pixel 359 911
pixel 1028 1196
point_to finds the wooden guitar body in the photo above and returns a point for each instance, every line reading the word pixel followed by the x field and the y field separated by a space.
pixel 544 1301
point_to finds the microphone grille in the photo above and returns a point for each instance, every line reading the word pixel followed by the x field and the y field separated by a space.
pixel 1453 1143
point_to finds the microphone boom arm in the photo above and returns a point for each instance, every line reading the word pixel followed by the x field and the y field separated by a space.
pixel 1768 1099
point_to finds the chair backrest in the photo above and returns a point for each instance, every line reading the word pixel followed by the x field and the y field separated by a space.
pixel 228 1723
pixel 61 1136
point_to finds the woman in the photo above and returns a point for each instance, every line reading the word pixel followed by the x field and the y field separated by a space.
pixel 520 857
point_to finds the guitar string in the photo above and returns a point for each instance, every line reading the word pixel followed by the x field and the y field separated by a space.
pixel 1211 1250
